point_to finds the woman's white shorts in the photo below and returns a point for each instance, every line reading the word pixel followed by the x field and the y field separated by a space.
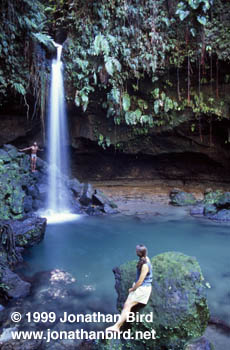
pixel 141 294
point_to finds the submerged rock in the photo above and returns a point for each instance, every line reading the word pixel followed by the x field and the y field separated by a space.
pixel 181 198
pixel 178 301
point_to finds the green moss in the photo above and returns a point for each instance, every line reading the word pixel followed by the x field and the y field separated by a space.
pixel 12 179
pixel 212 197
pixel 178 300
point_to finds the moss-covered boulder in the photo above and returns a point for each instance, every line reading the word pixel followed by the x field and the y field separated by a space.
pixel 217 205
pixel 181 198
pixel 212 197
pixel 177 304
pixel 14 169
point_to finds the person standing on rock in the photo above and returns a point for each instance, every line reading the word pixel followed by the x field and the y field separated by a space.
pixel 34 148
pixel 141 289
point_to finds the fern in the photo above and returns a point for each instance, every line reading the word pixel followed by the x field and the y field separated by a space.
pixel 101 45
pixel 115 94
pixel 43 38
pixel 112 65
pixel 19 88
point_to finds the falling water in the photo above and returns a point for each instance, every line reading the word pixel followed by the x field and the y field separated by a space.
pixel 57 140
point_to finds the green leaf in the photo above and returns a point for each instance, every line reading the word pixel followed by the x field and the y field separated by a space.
pixel 19 88
pixel 126 102
pixel 142 104
pixel 166 21
pixel 77 101
pixel 112 65
pixel 202 20
pixel 138 114
pixel 194 4
pixel 193 31
pixel 109 67
pixel 115 93
pixel 182 14
pixel 101 45
pixel 156 93
pixel 156 106
pixel 43 38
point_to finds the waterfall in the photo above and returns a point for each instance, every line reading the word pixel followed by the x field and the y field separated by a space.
pixel 57 140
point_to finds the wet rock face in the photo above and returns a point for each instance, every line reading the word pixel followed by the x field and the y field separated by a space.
pixel 15 236
pixel 178 302
pixel 13 170
pixel 23 192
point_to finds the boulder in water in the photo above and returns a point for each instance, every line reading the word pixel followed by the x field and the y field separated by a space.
pixel 177 304
pixel 181 198
pixel 221 215
pixel 197 210
pixel 87 194
pixel 12 285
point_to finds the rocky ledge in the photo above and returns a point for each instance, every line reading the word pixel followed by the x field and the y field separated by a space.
pixel 14 237
pixel 215 205
pixel 23 192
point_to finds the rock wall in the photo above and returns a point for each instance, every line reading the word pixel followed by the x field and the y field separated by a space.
pixel 194 150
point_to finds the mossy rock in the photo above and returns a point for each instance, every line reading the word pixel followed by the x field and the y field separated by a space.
pixel 5 158
pixel 223 201
pixel 178 301
pixel 212 197
pixel 181 198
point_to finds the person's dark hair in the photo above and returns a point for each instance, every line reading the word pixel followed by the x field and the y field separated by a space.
pixel 142 253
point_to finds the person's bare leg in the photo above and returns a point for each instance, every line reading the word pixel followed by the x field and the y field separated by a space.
pixel 124 314
pixel 35 160
pixel 33 164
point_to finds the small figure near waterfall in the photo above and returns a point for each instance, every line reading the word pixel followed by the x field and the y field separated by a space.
pixel 141 289
pixel 34 148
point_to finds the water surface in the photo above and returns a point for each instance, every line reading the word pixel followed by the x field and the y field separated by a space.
pixel 90 247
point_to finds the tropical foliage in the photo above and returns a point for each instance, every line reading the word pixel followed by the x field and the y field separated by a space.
pixel 21 56
pixel 140 62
